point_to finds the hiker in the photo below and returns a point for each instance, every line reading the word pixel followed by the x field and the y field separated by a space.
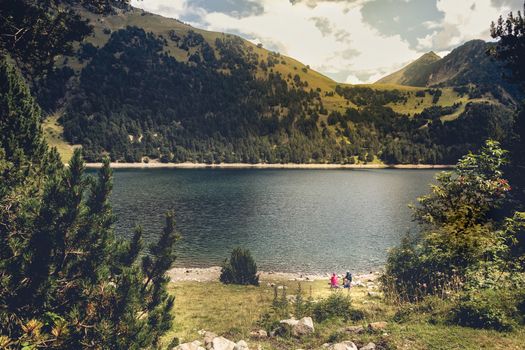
pixel 347 280
pixel 334 282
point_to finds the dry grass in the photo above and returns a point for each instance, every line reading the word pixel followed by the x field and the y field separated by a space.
pixel 233 311
pixel 53 133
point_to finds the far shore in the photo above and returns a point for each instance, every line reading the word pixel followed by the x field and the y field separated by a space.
pixel 211 274
pixel 188 165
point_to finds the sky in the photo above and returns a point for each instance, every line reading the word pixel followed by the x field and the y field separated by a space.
pixel 352 41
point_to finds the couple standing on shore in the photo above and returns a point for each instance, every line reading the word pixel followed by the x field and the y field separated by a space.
pixel 347 280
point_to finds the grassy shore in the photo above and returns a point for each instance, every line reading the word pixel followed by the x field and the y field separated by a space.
pixel 233 311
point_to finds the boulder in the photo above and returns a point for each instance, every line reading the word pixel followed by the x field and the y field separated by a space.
pixel 355 329
pixel 221 343
pixel 290 322
pixel 301 327
pixel 304 327
pixel 369 346
pixel 196 345
pixel 259 334
pixel 345 345
pixel 377 326
pixel 208 339
pixel 241 345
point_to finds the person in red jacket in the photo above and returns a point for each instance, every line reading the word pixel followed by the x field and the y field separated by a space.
pixel 334 281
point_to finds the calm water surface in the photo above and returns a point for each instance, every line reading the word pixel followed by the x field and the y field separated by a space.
pixel 313 221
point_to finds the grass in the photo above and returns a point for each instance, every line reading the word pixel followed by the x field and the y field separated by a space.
pixel 53 133
pixel 233 311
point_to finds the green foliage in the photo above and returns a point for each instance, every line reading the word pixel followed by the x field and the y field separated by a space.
pixel 240 268
pixel 458 234
pixel 511 45
pixel 35 32
pixel 65 279
pixel 337 305
pixel 482 310
pixel 464 252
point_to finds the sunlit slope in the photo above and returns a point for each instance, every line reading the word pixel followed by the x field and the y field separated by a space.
pixel 287 66
pixel 53 133
pixel 415 73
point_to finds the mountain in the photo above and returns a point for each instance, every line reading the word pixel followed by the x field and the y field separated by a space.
pixel 468 64
pixel 144 87
pixel 414 74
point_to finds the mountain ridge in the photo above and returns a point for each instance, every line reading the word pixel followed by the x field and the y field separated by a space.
pixel 145 87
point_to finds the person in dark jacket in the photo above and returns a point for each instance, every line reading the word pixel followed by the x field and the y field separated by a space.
pixel 348 280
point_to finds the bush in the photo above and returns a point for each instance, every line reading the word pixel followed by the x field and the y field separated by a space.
pixel 336 305
pixel 240 269
pixel 484 310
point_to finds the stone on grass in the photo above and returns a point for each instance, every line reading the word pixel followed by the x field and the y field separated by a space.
pixel 369 346
pixel 301 327
pixel 377 326
pixel 208 339
pixel 241 345
pixel 196 345
pixel 259 334
pixel 355 329
pixel 345 345
pixel 221 343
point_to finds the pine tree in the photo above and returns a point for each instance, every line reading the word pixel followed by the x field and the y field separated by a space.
pixel 66 280
pixel 240 268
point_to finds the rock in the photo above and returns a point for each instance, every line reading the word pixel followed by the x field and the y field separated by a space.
pixel 208 339
pixel 290 322
pixel 196 345
pixel 374 295
pixel 259 334
pixel 221 343
pixel 346 345
pixel 305 326
pixel 369 346
pixel 377 326
pixel 301 327
pixel 241 345
pixel 355 329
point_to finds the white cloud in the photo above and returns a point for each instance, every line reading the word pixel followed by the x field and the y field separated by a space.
pixel 463 20
pixel 167 8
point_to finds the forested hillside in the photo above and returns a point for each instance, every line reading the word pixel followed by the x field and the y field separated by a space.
pixel 143 87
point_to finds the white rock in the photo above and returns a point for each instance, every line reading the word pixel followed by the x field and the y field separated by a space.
pixel 208 339
pixel 300 327
pixel 259 334
pixel 241 345
pixel 291 322
pixel 369 346
pixel 346 345
pixel 221 343
pixel 196 345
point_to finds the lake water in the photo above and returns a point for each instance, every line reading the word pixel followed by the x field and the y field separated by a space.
pixel 313 221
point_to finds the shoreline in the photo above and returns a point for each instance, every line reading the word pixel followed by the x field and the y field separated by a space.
pixel 211 274
pixel 189 165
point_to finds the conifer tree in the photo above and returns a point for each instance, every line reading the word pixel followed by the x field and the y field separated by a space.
pixel 66 280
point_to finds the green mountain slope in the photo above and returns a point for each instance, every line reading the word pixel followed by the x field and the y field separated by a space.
pixel 148 87
pixel 414 74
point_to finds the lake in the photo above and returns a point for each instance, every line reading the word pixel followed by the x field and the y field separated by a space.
pixel 312 221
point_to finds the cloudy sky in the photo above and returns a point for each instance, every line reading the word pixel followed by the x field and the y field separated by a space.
pixel 352 41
